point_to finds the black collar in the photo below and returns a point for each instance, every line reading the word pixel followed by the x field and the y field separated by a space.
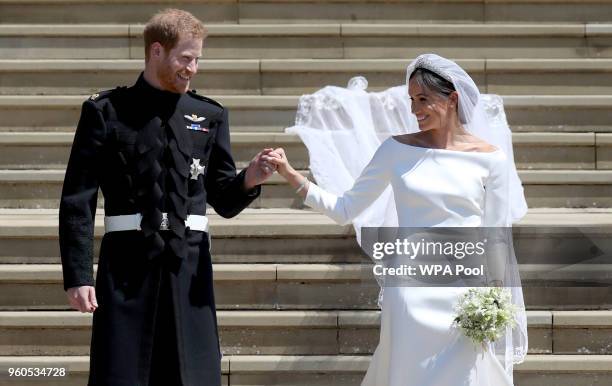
pixel 159 102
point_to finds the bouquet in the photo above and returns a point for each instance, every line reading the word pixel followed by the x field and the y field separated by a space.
pixel 483 314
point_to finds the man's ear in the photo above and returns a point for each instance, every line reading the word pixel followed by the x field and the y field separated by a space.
pixel 156 50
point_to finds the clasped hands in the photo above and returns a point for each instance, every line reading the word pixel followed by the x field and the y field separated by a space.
pixel 264 164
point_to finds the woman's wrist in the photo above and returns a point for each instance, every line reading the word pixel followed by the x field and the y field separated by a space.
pixel 303 186
pixel 297 181
pixel 290 173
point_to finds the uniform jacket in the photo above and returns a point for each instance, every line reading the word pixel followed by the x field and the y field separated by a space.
pixel 138 145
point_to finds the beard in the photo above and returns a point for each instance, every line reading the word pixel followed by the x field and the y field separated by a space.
pixel 169 81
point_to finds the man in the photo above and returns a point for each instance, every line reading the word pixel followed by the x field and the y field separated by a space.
pixel 159 153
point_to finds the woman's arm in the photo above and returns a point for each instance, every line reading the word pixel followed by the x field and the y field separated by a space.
pixel 497 219
pixel 369 185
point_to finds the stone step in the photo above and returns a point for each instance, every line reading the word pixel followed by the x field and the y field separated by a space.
pixel 60 333
pixel 254 236
pixel 277 237
pixel 50 150
pixel 319 41
pixel 309 11
pixel 300 76
pixel 251 113
pixel 336 370
pixel 30 236
pixel 305 287
pixel 543 189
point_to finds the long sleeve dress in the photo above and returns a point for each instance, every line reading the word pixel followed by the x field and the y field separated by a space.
pixel 432 188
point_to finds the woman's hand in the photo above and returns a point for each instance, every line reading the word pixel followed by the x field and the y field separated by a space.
pixel 278 158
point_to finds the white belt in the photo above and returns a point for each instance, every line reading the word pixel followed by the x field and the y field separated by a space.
pixel 130 222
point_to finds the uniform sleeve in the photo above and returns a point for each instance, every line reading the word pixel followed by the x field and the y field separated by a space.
pixel 369 185
pixel 79 198
pixel 224 188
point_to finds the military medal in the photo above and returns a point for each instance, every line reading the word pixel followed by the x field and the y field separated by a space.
pixel 197 127
pixel 195 123
pixel 196 169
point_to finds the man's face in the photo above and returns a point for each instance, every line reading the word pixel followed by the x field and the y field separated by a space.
pixel 177 66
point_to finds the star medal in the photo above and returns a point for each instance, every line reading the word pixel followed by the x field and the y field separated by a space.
pixel 196 169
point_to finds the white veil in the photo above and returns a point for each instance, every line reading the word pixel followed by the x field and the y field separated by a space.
pixel 343 127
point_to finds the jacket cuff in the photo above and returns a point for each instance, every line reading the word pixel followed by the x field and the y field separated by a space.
pixel 76 280
pixel 252 193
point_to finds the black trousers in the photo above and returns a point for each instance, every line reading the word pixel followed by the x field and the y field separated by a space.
pixel 165 362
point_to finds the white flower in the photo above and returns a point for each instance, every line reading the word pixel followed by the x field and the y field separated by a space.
pixel 483 314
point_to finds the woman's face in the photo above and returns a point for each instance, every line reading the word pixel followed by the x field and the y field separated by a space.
pixel 432 110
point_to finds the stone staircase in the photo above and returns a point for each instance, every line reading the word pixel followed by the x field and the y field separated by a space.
pixel 297 306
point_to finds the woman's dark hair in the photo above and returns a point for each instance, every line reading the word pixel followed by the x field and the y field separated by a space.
pixel 429 80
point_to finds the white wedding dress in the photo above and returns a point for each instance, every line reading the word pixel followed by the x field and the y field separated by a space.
pixel 431 188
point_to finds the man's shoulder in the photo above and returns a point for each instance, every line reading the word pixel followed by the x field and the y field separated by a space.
pixel 204 102
pixel 102 97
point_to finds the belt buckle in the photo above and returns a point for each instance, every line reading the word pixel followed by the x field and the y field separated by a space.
pixel 165 224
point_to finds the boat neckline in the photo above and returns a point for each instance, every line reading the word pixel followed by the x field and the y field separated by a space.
pixel 449 150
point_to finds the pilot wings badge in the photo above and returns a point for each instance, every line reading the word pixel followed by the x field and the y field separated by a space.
pixel 194 118
pixel 195 123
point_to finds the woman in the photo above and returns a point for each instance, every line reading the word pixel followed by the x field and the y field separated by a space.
pixel 446 176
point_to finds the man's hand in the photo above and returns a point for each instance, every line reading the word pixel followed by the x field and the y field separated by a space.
pixel 82 298
pixel 259 170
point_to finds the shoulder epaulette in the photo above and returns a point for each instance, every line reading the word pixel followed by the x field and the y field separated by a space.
pixel 105 94
pixel 203 98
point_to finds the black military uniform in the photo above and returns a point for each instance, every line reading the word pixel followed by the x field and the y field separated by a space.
pixel 156 321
